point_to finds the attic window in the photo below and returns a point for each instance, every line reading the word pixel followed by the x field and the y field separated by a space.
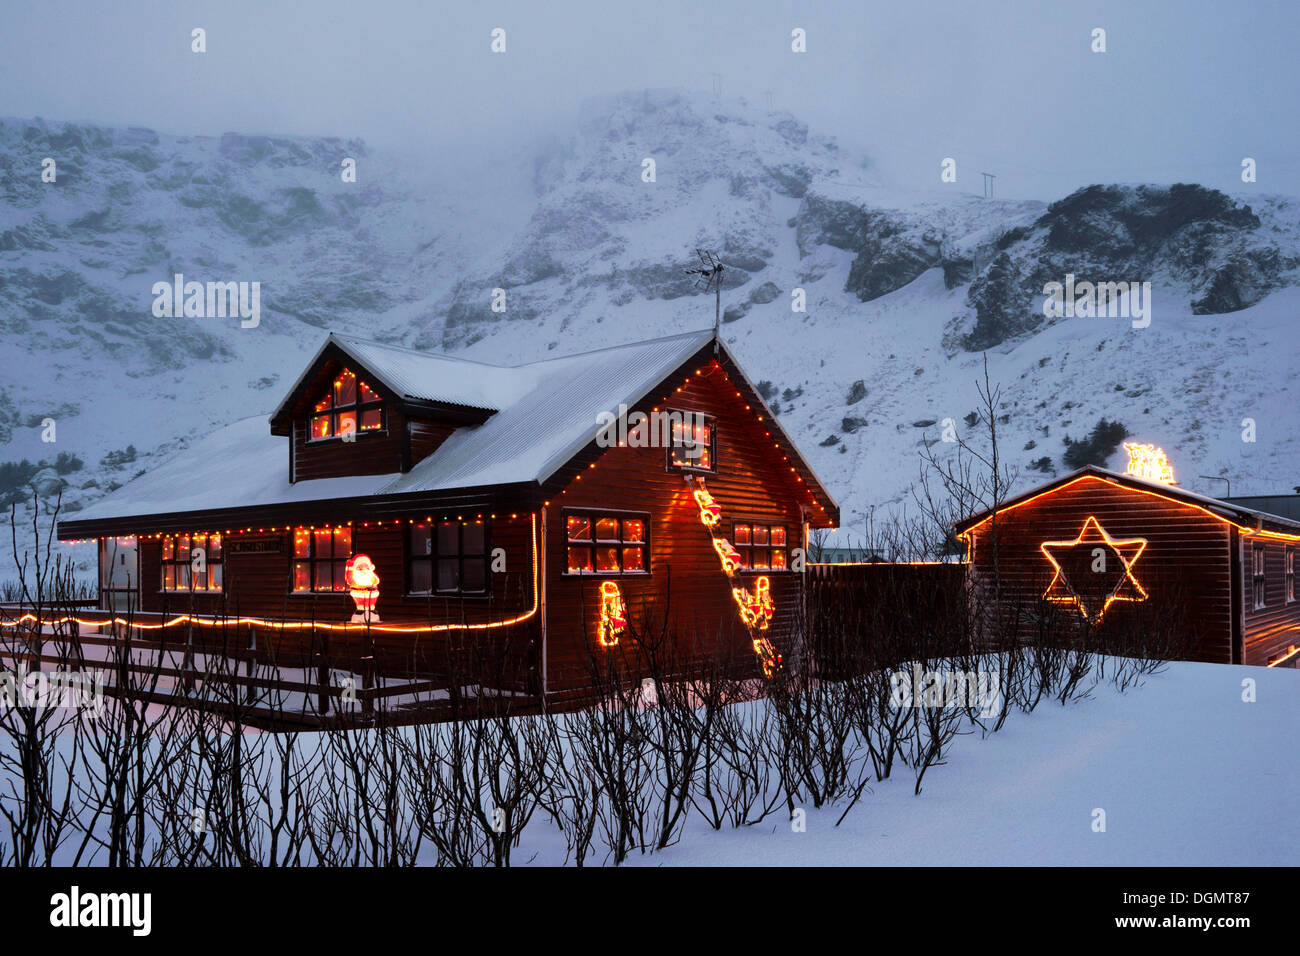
pixel 694 443
pixel 349 406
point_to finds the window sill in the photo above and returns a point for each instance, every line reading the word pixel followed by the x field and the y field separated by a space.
pixel 338 438
pixel 448 595
pixel 606 574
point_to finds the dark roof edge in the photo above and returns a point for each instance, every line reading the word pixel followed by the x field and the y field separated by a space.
pixel 363 507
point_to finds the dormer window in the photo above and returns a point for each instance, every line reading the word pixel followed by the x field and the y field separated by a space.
pixel 350 406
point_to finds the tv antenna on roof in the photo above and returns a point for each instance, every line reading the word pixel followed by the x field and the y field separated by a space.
pixel 709 278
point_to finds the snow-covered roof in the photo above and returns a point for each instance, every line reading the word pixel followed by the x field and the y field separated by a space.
pixel 566 394
pixel 240 465
pixel 1226 509
pixel 434 377
pixel 421 376
pixel 547 412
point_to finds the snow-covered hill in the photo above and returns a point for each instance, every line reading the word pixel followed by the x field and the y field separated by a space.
pixel 904 291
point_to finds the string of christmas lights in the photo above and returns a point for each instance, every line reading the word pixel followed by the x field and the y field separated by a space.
pixel 212 620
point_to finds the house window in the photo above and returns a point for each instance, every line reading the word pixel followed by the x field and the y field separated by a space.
pixel 693 444
pixel 607 543
pixel 1258 569
pixel 320 557
pixel 1290 575
pixel 349 406
pixel 447 557
pixel 179 558
pixel 762 547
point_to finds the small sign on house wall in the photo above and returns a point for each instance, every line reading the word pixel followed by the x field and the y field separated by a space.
pixel 255 546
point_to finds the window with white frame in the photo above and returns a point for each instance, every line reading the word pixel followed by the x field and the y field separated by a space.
pixel 1257 568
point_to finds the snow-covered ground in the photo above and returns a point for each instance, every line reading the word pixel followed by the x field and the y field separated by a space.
pixel 1183 770
pixel 1188 774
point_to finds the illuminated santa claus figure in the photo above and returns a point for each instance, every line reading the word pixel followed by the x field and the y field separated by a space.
pixel 363 585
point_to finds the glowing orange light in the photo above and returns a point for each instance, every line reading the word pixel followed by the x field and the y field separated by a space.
pixel 729 555
pixel 755 609
pixel 1127 588
pixel 211 620
pixel 768 656
pixel 363 585
pixel 710 510
pixel 968 534
pixel 1149 462
pixel 613 614
pixel 1291 652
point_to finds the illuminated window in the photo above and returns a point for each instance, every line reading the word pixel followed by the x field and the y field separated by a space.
pixel 179 560
pixel 762 547
pixel 606 543
pixel 349 406
pixel 693 444
pixel 1290 575
pixel 1258 569
pixel 447 557
pixel 320 557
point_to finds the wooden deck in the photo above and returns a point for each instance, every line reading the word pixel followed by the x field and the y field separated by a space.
pixel 220 673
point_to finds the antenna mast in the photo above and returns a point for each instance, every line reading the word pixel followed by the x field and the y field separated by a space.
pixel 709 277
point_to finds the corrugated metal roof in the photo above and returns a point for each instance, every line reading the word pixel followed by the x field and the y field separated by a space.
pixel 555 418
pixel 240 465
pixel 1280 506
pixel 550 415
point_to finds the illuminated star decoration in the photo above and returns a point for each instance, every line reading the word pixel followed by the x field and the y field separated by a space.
pixel 1075 563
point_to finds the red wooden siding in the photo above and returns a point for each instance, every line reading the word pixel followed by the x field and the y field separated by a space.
pixel 1268 631
pixel 686 584
pixel 258 585
pixel 1185 566
pixel 372 453
pixel 423 436
pixel 405 440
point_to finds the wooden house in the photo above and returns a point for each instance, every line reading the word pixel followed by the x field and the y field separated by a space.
pixel 1106 548
pixel 404 502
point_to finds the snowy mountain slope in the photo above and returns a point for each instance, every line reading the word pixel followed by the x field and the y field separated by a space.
pixel 901 288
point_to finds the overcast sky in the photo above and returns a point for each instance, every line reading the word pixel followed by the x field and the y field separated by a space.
pixel 1184 91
